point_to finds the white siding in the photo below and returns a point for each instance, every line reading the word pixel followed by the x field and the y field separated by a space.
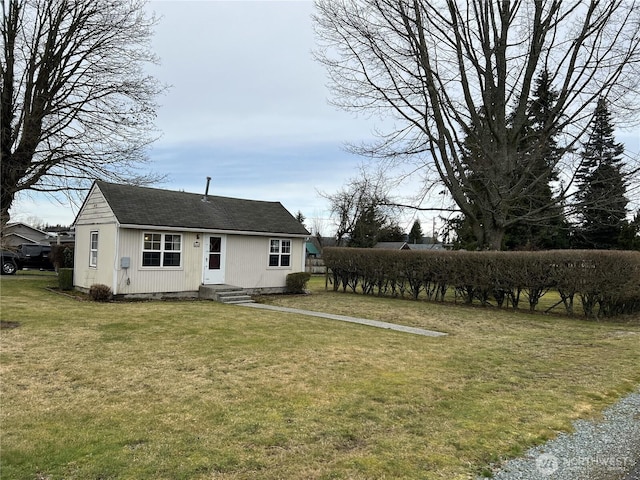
pixel 95 210
pixel 95 216
pixel 139 280
pixel 247 263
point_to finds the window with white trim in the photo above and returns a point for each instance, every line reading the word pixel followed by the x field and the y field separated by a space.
pixel 93 249
pixel 279 252
pixel 161 250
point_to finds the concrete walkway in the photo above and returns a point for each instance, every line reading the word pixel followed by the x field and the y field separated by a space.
pixel 343 318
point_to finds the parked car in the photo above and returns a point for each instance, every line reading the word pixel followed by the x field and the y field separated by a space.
pixel 9 262
pixel 35 256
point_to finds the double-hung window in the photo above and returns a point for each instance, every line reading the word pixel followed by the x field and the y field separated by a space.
pixel 161 250
pixel 279 253
pixel 93 249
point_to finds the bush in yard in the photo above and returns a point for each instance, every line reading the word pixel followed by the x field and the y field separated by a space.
pixel 297 282
pixel 68 256
pixel 62 256
pixel 100 293
pixel 65 278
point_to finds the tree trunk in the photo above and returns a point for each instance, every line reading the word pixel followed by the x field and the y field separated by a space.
pixel 488 234
pixel 5 201
pixel 493 238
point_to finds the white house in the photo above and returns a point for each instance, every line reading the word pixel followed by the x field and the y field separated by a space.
pixel 147 241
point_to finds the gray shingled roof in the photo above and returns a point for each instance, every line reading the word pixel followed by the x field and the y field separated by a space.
pixel 166 208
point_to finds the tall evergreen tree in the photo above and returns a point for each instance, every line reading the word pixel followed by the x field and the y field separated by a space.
pixel 391 232
pixel 300 217
pixel 367 227
pixel 601 201
pixel 459 233
pixel 630 235
pixel 542 224
pixel 415 235
pixel 374 225
pixel 538 217
pixel 476 151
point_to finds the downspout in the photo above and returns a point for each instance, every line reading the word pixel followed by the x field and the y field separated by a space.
pixel 116 258
pixel 75 257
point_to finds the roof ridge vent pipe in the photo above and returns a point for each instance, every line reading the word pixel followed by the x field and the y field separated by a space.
pixel 206 191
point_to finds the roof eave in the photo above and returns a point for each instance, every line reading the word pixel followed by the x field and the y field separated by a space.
pixel 211 230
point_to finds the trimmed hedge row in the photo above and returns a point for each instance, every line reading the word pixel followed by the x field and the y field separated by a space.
pixel 607 283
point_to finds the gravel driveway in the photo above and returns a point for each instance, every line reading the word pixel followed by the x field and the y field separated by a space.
pixel 604 450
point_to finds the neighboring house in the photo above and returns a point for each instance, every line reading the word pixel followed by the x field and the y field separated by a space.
pixel 409 246
pixel 62 237
pixel 147 241
pixel 425 246
pixel 392 245
pixel 312 250
pixel 19 233
pixel 315 263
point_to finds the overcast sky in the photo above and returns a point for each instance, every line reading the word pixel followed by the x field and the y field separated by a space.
pixel 248 106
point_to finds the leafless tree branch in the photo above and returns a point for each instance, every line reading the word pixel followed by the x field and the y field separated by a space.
pixel 76 102
pixel 447 69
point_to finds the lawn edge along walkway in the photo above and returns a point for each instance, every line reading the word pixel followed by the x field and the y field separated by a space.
pixel 344 318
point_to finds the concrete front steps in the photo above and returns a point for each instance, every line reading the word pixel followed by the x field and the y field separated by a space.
pixel 224 294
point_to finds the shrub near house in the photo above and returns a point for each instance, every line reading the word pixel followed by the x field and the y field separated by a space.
pixel 62 256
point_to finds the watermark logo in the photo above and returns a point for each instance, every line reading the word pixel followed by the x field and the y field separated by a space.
pixel 547 464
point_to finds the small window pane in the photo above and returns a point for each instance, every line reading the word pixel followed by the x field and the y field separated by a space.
pixel 152 241
pixel 215 244
pixel 286 246
pixel 172 242
pixel 284 260
pixel 171 260
pixel 150 259
pixel 274 246
pixel 273 260
pixel 214 261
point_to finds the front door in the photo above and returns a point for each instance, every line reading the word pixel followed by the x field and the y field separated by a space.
pixel 214 259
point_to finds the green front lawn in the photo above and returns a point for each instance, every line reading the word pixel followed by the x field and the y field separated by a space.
pixel 200 390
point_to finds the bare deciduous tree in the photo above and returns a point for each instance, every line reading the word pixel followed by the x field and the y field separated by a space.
pixel 76 103
pixel 365 194
pixel 447 70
